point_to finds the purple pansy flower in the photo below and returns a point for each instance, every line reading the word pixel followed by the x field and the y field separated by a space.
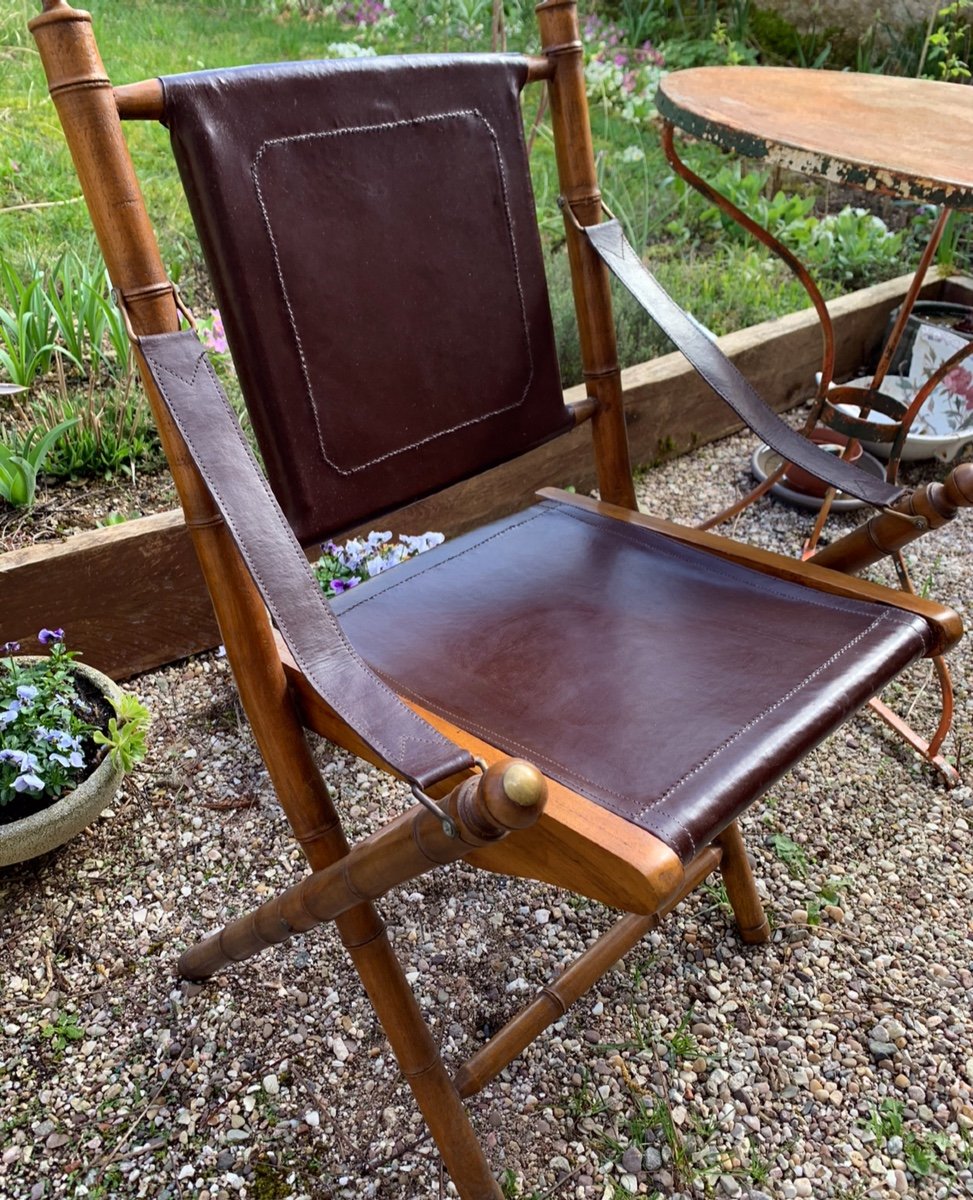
pixel 343 585
pixel 28 783
pixel 74 759
pixel 27 766
pixel 46 636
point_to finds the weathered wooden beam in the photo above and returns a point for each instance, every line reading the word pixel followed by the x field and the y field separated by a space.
pixel 132 598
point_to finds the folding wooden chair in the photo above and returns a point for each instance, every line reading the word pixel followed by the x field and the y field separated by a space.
pixel 370 232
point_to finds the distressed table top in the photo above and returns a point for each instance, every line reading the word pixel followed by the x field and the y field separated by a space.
pixel 911 138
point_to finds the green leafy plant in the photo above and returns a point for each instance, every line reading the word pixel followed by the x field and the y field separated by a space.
pixel 89 325
pixel 127 730
pixel 925 1153
pixel 64 315
pixel 629 182
pixel 947 38
pixel 67 315
pixel 717 894
pixel 111 430
pixel 585 1100
pixel 27 328
pixel 621 75
pixel 793 856
pixel 849 247
pixel 21 462
pixel 67 299
pixel 63 1030
pixel 784 215
pixel 681 1044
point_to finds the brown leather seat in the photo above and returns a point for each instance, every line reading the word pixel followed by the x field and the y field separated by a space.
pixel 663 683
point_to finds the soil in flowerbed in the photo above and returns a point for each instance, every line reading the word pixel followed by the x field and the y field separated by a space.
pixel 67 506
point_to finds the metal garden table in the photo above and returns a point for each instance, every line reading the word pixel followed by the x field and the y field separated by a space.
pixel 907 138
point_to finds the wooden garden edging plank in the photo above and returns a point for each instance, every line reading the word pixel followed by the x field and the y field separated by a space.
pixel 132 598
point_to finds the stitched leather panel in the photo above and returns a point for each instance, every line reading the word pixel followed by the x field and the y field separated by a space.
pixel 666 684
pixel 193 396
pixel 724 378
pixel 370 231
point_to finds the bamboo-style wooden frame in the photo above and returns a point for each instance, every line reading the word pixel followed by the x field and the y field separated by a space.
pixel 509 819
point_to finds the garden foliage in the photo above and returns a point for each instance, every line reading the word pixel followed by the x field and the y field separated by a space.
pixel 50 727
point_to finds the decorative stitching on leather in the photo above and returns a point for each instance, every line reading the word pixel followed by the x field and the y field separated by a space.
pixel 427 733
pixel 599 792
pixel 385 126
pixel 760 716
pixel 709 561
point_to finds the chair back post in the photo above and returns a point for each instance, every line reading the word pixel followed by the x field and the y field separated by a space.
pixel 85 102
pixel 561 43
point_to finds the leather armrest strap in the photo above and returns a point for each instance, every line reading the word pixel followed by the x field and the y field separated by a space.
pixel 723 377
pixel 194 398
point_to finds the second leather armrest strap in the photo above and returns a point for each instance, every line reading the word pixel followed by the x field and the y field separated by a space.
pixel 723 377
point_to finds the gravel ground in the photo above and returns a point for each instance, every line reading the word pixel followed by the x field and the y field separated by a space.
pixel 836 1061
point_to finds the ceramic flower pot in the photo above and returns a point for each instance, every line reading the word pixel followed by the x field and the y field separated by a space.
pixel 53 826
pixel 938 313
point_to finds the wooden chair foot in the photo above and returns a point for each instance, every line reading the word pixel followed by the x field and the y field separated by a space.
pixel 757 935
pixel 741 889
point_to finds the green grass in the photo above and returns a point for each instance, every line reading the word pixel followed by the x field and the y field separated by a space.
pixel 138 39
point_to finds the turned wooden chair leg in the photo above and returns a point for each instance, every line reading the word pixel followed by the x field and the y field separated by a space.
pixel 364 937
pixel 509 796
pixel 741 888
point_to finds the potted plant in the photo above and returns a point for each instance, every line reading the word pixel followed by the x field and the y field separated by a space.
pixel 67 736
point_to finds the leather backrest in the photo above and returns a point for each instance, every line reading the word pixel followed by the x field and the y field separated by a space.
pixel 370 231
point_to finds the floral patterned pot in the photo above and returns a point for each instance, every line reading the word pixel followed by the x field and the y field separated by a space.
pixel 956 317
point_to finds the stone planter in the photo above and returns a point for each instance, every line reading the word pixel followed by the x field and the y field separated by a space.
pixel 59 822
